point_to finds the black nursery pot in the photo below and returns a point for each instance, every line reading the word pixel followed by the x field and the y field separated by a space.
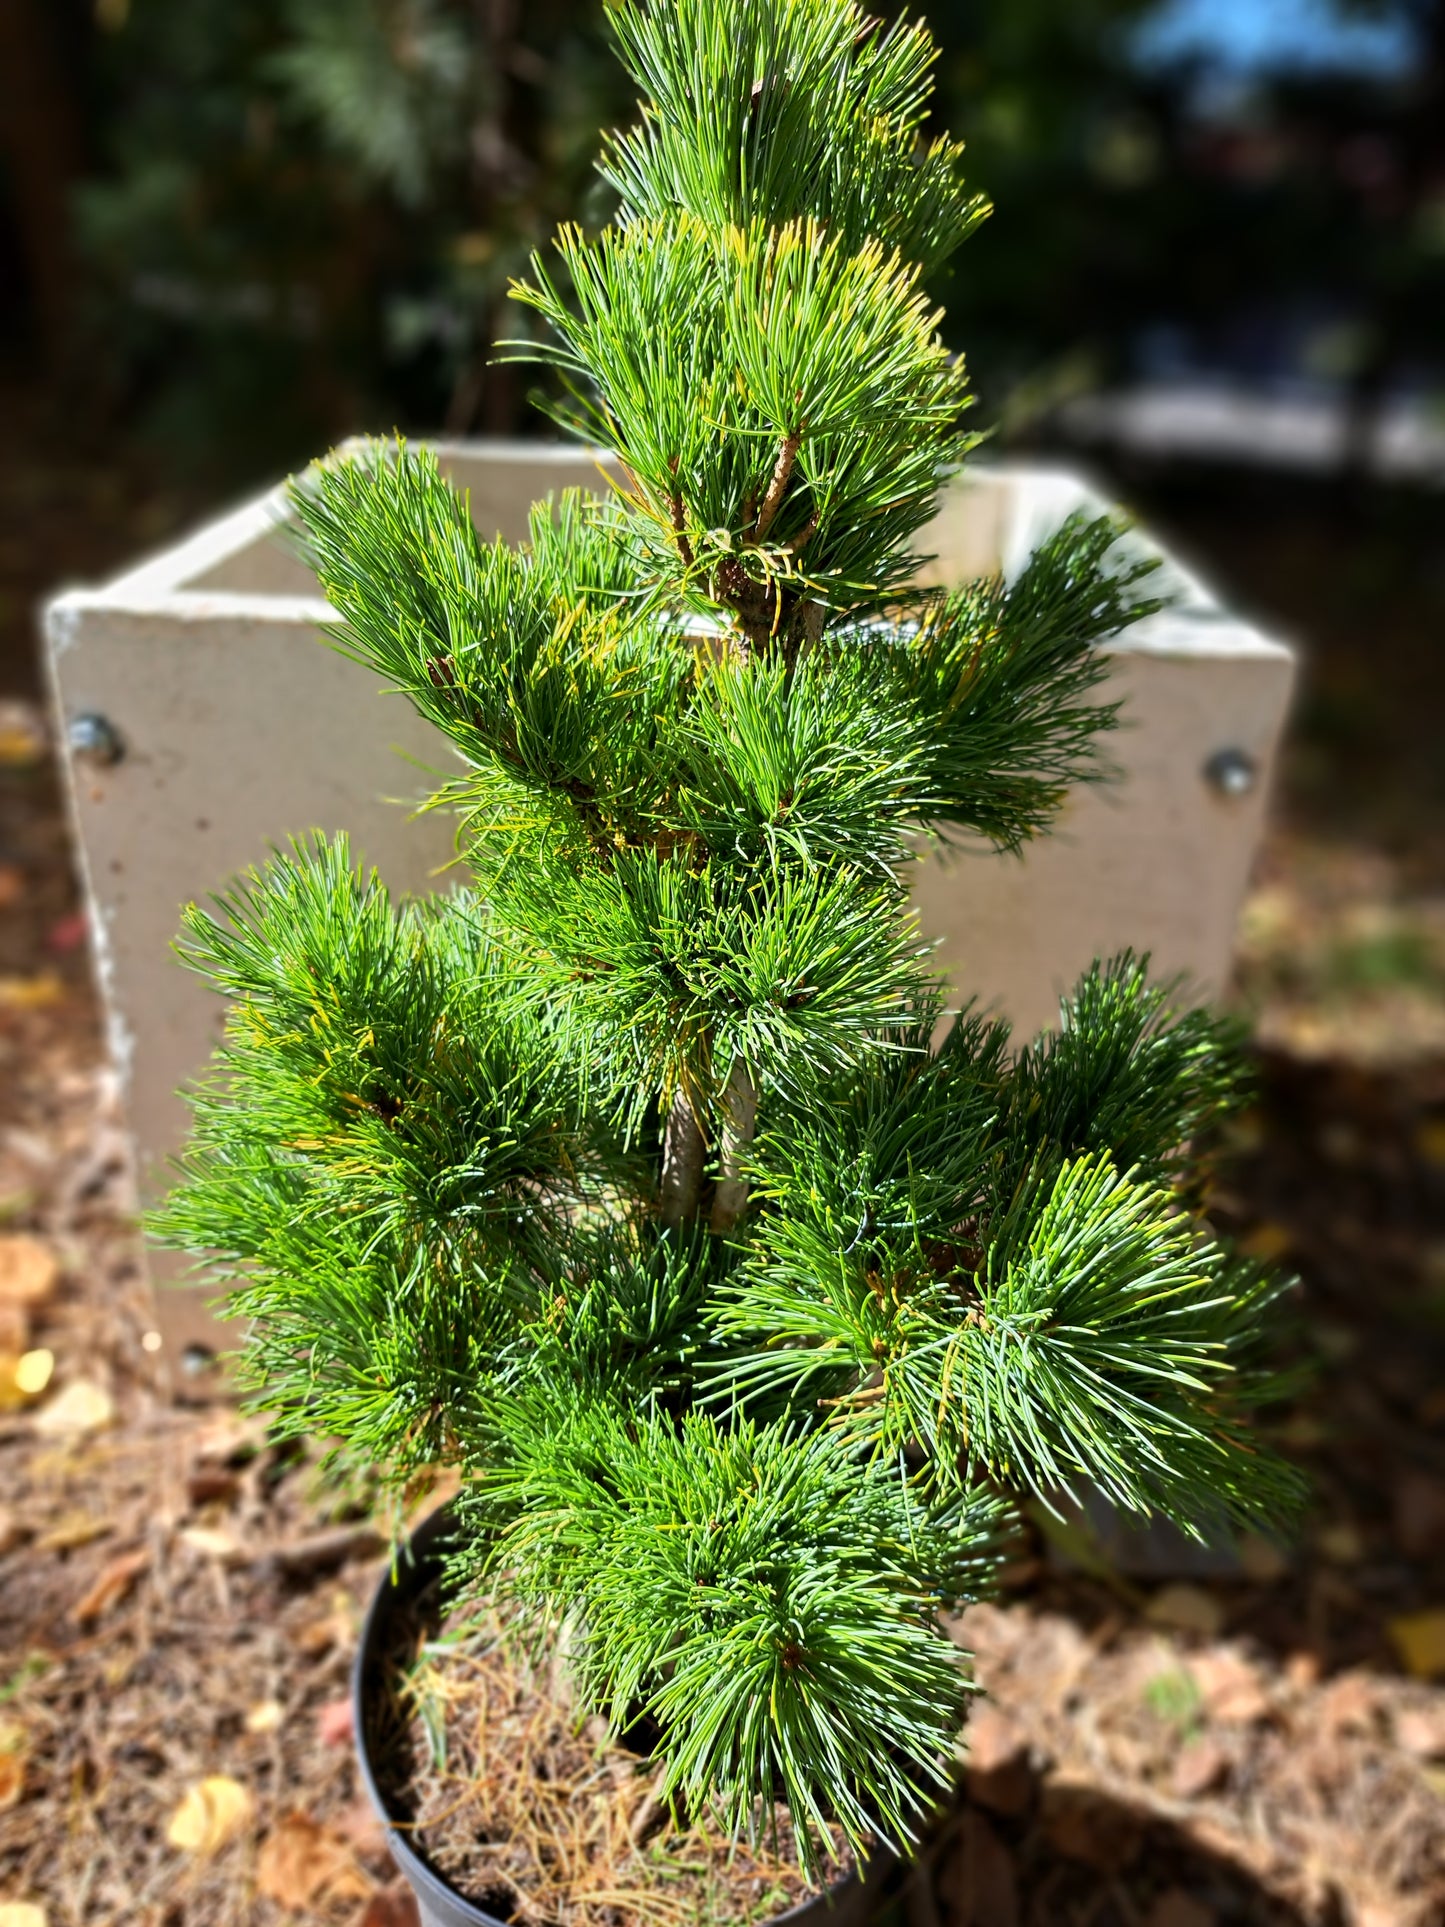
pixel 846 1904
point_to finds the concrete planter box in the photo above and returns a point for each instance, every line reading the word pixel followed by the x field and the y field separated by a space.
pixel 207 723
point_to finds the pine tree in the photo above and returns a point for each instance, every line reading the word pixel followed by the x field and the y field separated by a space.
pixel 646 1178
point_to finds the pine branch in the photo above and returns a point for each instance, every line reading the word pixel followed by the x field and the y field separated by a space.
pixel 733 1570
pixel 777 483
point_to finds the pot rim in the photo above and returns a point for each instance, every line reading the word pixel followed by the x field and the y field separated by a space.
pixel 414 1560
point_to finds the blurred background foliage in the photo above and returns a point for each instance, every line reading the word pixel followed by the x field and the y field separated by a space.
pixel 245 227
pixel 234 231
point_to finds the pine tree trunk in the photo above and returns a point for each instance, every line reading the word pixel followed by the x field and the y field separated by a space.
pixel 40 145
pixel 740 1122
pixel 683 1151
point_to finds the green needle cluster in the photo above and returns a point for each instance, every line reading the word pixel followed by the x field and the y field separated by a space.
pixel 647 1178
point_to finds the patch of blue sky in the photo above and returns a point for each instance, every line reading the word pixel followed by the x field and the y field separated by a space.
pixel 1266 36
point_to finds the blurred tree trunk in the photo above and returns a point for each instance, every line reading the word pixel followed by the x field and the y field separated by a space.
pixel 485 392
pixel 41 145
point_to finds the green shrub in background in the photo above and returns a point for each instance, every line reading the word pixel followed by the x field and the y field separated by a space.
pixel 304 213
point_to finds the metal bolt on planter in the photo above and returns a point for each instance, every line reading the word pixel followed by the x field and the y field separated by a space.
pixel 1233 772
pixel 91 738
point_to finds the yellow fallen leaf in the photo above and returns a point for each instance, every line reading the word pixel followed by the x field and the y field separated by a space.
pixel 82 1407
pixel 28 1269
pixel 211 1815
pixel 12 1779
pixel 74 1529
pixel 22 735
pixel 31 993
pixel 265 1716
pixel 23 1376
pixel 33 1372
pixel 22 1913
pixel 1420 1641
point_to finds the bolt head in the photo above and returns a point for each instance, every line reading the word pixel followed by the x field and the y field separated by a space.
pixel 95 739
pixel 1231 772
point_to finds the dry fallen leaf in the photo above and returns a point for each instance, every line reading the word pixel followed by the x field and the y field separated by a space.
pixel 993 1738
pixel 12 1767
pixel 211 1485
pixel 1420 1731
pixel 211 1815
pixel 13 1531
pixel 1420 1641
pixel 230 1438
pixel 393 1906
pixel 82 1407
pixel 1232 1689
pixel 112 1584
pixel 214 1541
pixel 28 1269
pixel 22 1913
pixel 1349 1704
pixel 334 1723
pixel 301 1863
pixel 1199 1766
pixel 318 1636
pixel 265 1716
pixel 1393 1912
pixel 1302 1670
pixel 73 1529
pixel 363 1832
pixel 999 1775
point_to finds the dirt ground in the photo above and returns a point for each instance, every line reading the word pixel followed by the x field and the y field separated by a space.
pixel 1165 1746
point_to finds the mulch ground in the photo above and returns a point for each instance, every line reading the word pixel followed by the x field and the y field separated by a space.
pixel 179 1600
